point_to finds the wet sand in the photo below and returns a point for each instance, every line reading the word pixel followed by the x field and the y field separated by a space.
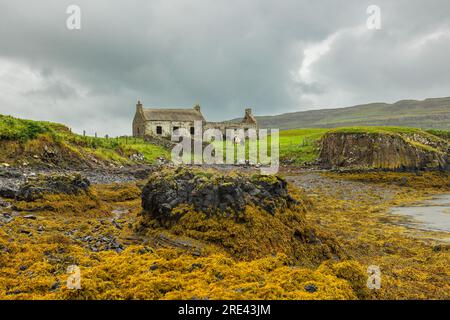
pixel 432 215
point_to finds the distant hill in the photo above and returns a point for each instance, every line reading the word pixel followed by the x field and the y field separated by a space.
pixel 427 114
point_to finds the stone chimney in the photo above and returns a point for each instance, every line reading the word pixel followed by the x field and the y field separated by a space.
pixel 249 118
pixel 139 106
pixel 197 107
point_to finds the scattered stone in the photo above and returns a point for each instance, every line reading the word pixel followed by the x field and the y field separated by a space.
pixel 404 181
pixel 161 161
pixel 145 250
pixel 6 218
pixel 312 238
pixel 137 157
pixel 102 243
pixel 195 266
pixel 153 267
pixel 311 288
pixel 5 204
pixel 87 238
pixel 116 224
pixel 30 217
pixel 55 286
pixel 14 292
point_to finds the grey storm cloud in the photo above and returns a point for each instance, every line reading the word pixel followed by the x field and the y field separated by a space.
pixel 276 56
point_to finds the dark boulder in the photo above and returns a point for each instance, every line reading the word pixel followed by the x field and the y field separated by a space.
pixel 36 187
pixel 311 288
pixel 212 193
pixel 9 189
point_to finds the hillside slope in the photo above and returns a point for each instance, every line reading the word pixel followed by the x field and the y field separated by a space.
pixel 426 114
pixel 46 144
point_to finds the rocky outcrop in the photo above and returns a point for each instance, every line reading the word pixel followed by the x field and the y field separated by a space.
pixel 36 187
pixel 249 216
pixel 362 150
pixel 212 193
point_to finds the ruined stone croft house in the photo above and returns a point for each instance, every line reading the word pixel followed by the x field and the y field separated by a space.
pixel 159 122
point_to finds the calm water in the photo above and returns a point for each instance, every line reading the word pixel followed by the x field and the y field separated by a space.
pixel 431 215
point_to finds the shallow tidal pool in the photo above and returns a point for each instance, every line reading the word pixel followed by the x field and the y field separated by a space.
pixel 432 215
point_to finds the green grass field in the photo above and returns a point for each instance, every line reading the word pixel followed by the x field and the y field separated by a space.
pixel 299 146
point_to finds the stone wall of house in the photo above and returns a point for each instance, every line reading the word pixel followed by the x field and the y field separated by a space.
pixel 167 127
pixel 138 126
pixel 222 126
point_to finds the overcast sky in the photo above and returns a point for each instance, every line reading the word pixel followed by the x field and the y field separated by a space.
pixel 276 56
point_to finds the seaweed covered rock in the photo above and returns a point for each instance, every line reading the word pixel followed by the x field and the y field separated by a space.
pixel 212 193
pixel 8 189
pixel 249 216
pixel 10 181
pixel 36 187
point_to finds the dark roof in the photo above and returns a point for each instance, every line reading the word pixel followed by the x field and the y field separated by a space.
pixel 172 115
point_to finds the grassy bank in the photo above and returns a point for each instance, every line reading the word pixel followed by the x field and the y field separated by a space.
pixel 27 141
